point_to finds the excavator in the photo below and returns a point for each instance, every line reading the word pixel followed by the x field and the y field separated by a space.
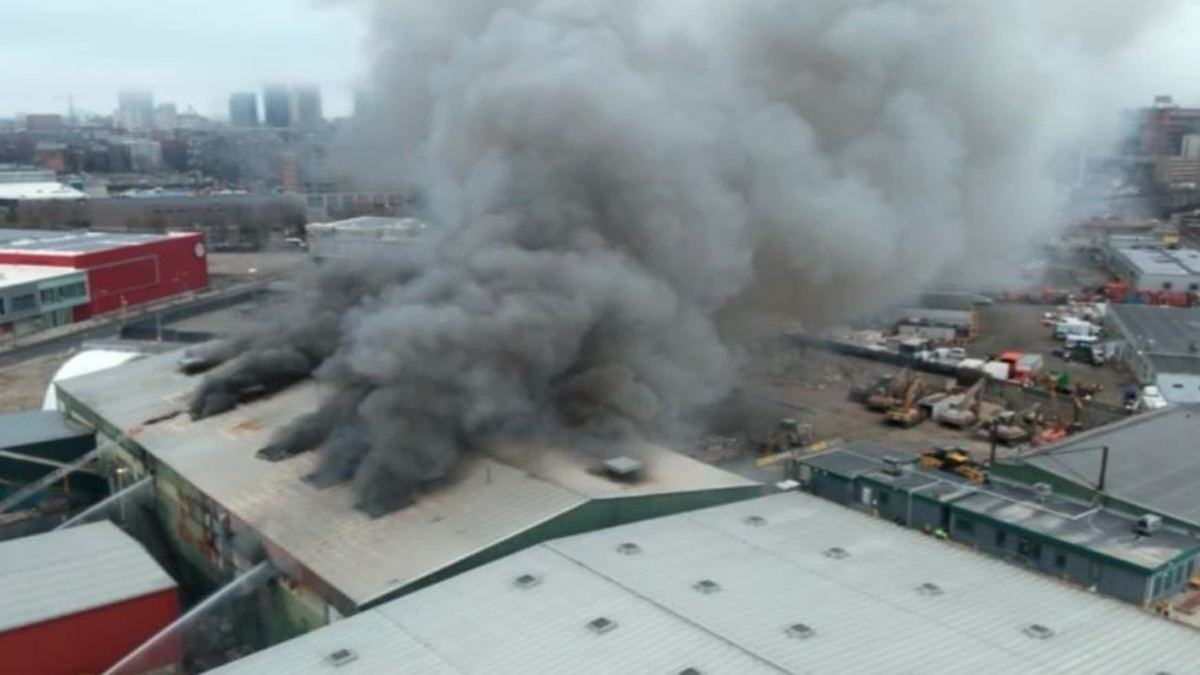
pixel 908 414
pixel 956 461
pixel 1010 428
pixel 889 392
pixel 966 412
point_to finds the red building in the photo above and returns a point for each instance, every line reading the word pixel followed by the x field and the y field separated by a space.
pixel 80 599
pixel 122 269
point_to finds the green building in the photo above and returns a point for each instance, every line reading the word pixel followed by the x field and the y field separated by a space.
pixel 1137 559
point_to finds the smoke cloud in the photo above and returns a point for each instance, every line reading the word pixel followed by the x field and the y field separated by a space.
pixel 613 186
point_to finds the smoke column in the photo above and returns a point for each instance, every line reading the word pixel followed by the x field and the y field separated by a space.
pixel 611 183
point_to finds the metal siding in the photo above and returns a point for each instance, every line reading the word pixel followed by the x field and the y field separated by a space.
pixel 865 609
pixel 58 573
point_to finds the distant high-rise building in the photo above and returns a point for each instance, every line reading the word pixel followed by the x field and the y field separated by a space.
pixel 307 104
pixel 135 109
pixel 362 102
pixel 243 109
pixel 277 106
pixel 166 116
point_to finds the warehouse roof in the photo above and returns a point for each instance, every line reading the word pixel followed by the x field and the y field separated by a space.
pixel 23 191
pixel 70 241
pixel 787 583
pixel 28 427
pixel 492 497
pixel 1162 262
pixel 16 275
pixel 50 575
pixel 1090 527
pixel 1160 330
pixel 1153 462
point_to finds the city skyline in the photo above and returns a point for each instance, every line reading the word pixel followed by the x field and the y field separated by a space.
pixel 192 63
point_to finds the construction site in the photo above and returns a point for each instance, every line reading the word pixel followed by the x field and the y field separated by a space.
pixel 814 337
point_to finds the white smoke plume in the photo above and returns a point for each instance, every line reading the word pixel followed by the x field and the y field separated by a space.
pixel 614 184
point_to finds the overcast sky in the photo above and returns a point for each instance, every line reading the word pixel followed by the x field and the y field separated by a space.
pixel 190 52
pixel 196 52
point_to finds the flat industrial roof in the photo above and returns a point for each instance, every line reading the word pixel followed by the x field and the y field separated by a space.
pixel 1160 330
pixel 28 427
pixel 46 576
pixel 39 191
pixel 1091 527
pixel 14 275
pixel 491 498
pixel 1163 262
pixel 788 583
pixel 70 241
pixel 1084 525
pixel 1153 461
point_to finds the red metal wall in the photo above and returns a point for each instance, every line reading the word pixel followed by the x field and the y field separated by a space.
pixel 130 275
pixel 91 641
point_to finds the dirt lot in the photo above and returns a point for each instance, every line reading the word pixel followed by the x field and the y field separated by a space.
pixel 23 385
pixel 1017 326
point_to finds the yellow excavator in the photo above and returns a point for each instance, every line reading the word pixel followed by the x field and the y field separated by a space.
pixel 908 414
pixel 888 394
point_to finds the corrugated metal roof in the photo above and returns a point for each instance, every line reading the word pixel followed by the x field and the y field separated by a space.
pixel 491 499
pixel 71 241
pixel 50 575
pixel 1152 462
pixel 36 426
pixel 779 598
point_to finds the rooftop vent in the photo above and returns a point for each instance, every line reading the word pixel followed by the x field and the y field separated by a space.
pixel 623 468
pixel 800 631
pixel 341 657
pixel 930 589
pixel 527 581
pixel 1042 492
pixel 1038 631
pixel 894 466
pixel 629 548
pixel 837 553
pixel 706 586
pixel 601 625
pixel 1148 524
pixel 755 521
pixel 689 671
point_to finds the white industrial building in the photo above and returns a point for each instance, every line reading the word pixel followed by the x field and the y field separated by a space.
pixel 1161 345
pixel 782 584
pixel 1154 268
pixel 361 237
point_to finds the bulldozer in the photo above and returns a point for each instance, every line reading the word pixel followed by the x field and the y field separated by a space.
pixel 888 394
pixel 908 414
pixel 1010 428
pixel 966 412
pixel 956 461
pixel 789 435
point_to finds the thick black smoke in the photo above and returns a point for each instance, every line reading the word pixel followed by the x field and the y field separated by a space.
pixel 610 181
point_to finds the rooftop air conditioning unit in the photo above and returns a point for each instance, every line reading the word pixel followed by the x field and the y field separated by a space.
pixel 1148 524
pixel 1042 491
pixel 894 466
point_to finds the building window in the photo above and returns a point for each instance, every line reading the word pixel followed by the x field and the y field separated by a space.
pixel 1060 560
pixel 1194 287
pixel 1029 548
pixel 883 498
pixel 1 306
pixel 23 303
pixel 1166 285
pixel 1001 538
pixel 1094 570
pixel 1156 589
pixel 965 526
